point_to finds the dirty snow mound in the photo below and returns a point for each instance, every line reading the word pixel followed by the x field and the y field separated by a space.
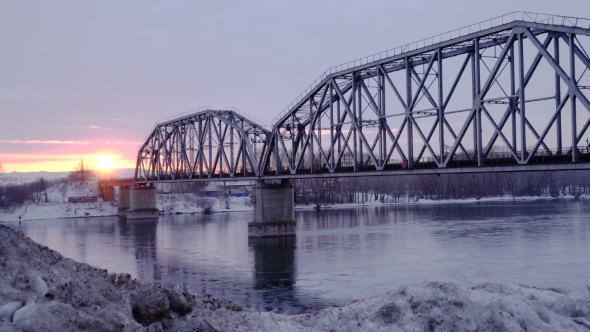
pixel 40 290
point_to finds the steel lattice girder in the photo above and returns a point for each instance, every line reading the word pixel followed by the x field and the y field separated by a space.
pixel 397 114
pixel 334 108
pixel 206 144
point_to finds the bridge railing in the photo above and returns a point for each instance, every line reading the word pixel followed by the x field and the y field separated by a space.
pixel 483 25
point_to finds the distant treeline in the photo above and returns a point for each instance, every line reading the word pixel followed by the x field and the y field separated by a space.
pixel 440 187
pixel 30 191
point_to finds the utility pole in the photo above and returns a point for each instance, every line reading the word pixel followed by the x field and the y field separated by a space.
pixel 44 190
pixel 81 169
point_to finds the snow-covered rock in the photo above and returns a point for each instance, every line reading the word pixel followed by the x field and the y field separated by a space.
pixel 40 290
pixel 8 309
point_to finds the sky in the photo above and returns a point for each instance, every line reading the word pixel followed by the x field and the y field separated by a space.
pixel 90 78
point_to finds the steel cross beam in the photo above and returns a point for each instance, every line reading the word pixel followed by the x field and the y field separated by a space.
pixel 369 117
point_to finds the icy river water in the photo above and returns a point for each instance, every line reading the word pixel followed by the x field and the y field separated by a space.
pixel 338 255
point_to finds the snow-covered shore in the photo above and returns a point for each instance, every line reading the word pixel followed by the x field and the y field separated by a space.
pixel 436 202
pixel 53 210
pixel 187 204
pixel 40 290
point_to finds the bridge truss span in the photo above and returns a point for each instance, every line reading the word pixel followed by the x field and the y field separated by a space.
pixel 505 95
pixel 510 94
pixel 202 145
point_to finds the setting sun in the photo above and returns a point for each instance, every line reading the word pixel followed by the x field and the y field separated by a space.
pixel 105 163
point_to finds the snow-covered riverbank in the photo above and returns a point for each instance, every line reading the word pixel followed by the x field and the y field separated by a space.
pixel 40 290
pixel 433 202
pixel 189 204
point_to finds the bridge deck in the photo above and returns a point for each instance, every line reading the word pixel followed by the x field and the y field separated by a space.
pixel 460 166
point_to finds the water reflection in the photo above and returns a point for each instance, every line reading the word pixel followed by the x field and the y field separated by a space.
pixel 274 261
pixel 274 269
pixel 142 233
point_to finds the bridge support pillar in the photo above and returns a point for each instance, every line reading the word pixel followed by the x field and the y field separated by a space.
pixel 142 203
pixel 108 194
pixel 274 213
pixel 124 201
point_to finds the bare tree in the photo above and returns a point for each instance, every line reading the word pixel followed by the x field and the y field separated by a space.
pixel 63 190
pixel 224 200
pixel 82 173
pixel 206 204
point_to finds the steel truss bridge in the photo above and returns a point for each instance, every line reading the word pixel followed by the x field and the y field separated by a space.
pixel 507 94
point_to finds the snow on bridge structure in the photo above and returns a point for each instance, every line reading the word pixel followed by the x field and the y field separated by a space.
pixel 503 95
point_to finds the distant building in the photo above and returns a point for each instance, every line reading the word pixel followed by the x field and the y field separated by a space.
pixel 83 199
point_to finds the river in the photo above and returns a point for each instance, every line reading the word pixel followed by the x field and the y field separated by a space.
pixel 338 255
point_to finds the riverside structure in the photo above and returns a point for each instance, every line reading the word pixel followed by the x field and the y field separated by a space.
pixel 404 111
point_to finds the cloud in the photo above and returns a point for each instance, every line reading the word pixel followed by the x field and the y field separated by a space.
pixel 95 127
pixel 89 127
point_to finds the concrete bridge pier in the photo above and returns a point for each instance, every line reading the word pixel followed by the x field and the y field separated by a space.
pixel 274 213
pixel 108 194
pixel 124 201
pixel 142 203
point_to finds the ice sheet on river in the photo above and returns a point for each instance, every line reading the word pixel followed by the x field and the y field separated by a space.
pixel 40 290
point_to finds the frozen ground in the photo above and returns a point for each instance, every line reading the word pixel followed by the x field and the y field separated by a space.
pixel 40 290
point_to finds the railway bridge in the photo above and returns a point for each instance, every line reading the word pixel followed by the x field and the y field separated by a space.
pixel 508 94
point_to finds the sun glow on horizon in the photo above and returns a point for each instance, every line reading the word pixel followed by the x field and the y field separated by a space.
pixel 105 163
pixel 103 159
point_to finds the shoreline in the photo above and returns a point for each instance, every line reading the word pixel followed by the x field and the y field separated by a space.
pixel 40 290
pixel 300 207
pixel 435 202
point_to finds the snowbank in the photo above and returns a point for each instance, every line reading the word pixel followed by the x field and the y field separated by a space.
pixel 40 290
pixel 53 210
